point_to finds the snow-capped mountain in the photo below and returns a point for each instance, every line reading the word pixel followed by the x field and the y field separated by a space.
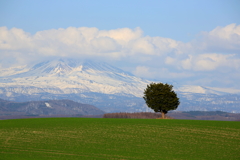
pixel 206 90
pixel 100 84
pixel 72 76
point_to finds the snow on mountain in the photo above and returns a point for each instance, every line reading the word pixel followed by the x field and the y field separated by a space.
pixel 72 76
pixel 13 70
pixel 205 90
pixel 50 107
pixel 102 85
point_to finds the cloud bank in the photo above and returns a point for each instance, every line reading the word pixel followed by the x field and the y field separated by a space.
pixel 203 60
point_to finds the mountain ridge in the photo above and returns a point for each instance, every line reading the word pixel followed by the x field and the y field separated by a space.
pixel 104 86
pixel 49 107
pixel 87 76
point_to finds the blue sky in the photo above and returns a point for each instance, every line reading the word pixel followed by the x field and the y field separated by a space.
pixel 179 20
pixel 188 41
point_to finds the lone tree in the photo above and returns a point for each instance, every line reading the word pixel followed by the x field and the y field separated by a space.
pixel 161 98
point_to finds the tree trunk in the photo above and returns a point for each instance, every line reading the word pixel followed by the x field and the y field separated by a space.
pixel 163 115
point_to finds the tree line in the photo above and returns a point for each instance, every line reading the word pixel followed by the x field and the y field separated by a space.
pixel 138 115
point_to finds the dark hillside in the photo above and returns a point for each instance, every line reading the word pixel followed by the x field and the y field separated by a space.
pixel 206 115
pixel 47 108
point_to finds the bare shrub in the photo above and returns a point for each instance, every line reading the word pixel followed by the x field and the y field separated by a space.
pixel 138 115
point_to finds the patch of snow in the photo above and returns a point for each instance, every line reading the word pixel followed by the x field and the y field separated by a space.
pixel 48 105
pixel 4 72
pixel 191 89
pixel 72 76
pixel 75 77
pixel 206 90
pixel 8 94
pixel 78 69
pixel 226 90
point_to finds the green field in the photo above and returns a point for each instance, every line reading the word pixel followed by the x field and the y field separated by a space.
pixel 99 138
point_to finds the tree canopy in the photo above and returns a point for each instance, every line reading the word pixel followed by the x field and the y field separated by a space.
pixel 161 98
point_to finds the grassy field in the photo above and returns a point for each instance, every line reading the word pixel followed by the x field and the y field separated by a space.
pixel 99 138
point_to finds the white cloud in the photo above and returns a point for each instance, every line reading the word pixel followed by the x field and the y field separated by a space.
pixel 143 71
pixel 216 51
pixel 228 33
pixel 105 45
pixel 123 35
pixel 210 51
pixel 143 46
pixel 204 62
pixel 220 39
pixel 14 39
pixel 83 41
pixel 170 60
pixel 212 61
pixel 187 63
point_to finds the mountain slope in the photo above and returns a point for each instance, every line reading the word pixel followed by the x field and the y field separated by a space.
pixel 107 87
pixel 71 76
pixel 51 107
